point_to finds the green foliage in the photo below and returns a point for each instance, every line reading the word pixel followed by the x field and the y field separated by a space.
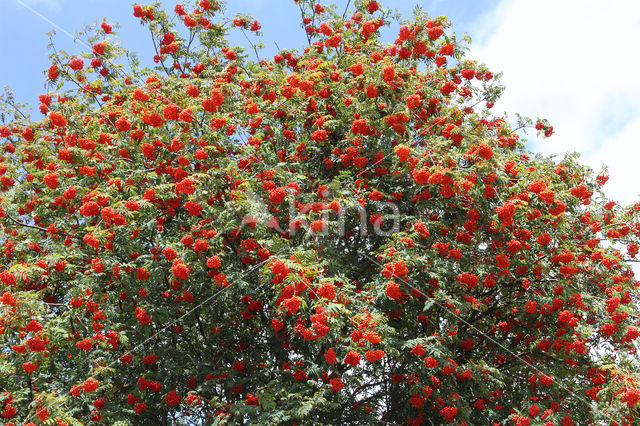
pixel 344 234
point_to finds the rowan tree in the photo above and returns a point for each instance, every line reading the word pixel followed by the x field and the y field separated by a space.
pixel 343 234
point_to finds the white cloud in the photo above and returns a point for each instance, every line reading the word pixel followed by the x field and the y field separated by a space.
pixel 572 62
pixel 620 153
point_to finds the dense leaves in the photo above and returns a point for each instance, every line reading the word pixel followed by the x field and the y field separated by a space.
pixel 340 235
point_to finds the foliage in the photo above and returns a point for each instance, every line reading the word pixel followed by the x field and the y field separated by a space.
pixel 340 235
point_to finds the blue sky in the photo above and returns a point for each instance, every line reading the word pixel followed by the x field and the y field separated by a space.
pixel 571 61
pixel 23 31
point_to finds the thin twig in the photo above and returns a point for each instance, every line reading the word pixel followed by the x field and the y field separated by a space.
pixel 346 9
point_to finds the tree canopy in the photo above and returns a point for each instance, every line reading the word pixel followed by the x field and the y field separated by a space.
pixel 341 234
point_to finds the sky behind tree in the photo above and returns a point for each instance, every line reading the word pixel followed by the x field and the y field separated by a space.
pixel 570 61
